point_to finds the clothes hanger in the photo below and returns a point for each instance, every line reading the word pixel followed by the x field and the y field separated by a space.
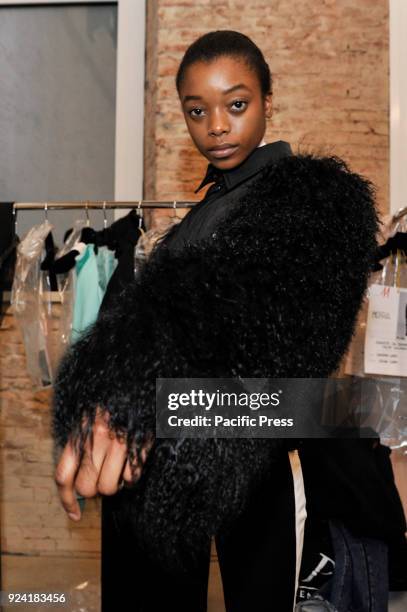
pixel 15 220
pixel 47 263
pixel 140 221
pixel 175 216
pixel 66 262
pixel 88 234
pixel 104 215
pixel 87 214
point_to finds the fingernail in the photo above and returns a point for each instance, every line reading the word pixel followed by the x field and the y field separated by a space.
pixel 73 516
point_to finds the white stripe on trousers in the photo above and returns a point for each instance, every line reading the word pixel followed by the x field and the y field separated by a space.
pixel 300 512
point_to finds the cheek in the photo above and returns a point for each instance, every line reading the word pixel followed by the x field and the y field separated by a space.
pixel 196 128
pixel 250 123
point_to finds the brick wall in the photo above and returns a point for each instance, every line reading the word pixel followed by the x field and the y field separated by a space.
pixel 32 518
pixel 329 60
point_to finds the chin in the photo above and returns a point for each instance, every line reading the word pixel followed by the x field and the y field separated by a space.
pixel 228 163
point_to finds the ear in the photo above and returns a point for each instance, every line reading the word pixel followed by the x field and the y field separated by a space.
pixel 268 105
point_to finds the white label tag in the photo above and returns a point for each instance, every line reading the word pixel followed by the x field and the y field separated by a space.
pixel 386 331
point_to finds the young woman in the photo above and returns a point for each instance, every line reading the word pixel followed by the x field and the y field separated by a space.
pixel 262 278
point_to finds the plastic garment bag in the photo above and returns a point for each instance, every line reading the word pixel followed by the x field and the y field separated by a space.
pixel 148 240
pixel 31 301
pixel 382 397
pixel 67 288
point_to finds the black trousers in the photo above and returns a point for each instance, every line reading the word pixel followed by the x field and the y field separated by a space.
pixel 257 559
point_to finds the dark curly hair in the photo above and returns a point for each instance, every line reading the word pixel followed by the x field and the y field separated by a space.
pixel 220 43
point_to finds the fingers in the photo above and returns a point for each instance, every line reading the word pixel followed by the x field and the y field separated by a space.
pixel 73 476
pixel 130 476
pixel 146 449
pixel 87 480
pixel 131 473
pixel 64 478
pixel 112 469
pixel 113 474
pixel 127 475
pixel 104 465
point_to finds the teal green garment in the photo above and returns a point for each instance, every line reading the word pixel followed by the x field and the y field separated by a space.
pixel 92 274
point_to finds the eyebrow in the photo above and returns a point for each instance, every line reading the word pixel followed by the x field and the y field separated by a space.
pixel 227 91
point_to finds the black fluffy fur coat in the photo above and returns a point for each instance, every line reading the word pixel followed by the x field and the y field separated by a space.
pixel 274 293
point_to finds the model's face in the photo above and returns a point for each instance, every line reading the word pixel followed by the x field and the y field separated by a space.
pixel 223 105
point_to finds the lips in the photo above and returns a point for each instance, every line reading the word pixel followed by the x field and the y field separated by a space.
pixel 223 150
pixel 220 147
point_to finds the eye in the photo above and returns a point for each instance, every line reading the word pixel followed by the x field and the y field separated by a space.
pixel 196 112
pixel 240 105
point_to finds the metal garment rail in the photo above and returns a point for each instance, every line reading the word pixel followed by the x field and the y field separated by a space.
pixel 101 204
pixel 97 205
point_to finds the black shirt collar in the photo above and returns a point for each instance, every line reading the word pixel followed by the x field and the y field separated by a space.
pixel 258 159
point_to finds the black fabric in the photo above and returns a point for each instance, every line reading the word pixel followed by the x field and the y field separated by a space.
pixel 213 175
pixel 8 244
pixel 6 225
pixel 357 481
pixel 258 159
pixel 8 249
pixel 230 186
pixel 395 243
pixel 63 264
pixel 257 555
pixel 224 306
pixel 256 558
pixel 122 237
pixel 252 556
pixel 358 484
pixel 48 262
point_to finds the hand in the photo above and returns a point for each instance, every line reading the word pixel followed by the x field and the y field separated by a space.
pixel 104 468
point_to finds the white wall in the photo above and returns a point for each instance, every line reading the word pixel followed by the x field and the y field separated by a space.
pixel 398 104
pixel 129 95
pixel 130 100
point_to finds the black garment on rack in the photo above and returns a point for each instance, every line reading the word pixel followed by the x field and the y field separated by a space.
pixel 8 248
pixel 48 262
pixel 8 243
pixel 395 243
pixel 64 264
pixel 122 237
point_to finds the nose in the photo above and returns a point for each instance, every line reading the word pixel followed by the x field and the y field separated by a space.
pixel 218 124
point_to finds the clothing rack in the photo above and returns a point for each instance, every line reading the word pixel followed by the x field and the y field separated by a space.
pixel 101 204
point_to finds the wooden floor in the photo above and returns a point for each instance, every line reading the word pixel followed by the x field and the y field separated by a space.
pixel 79 578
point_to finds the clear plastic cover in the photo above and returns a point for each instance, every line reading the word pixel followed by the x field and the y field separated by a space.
pixel 384 395
pixel 147 240
pixel 32 304
pixel 66 285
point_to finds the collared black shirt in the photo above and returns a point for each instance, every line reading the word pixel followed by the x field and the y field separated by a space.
pixel 258 159
pixel 202 219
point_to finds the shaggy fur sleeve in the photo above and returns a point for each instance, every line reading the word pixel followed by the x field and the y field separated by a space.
pixel 274 294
